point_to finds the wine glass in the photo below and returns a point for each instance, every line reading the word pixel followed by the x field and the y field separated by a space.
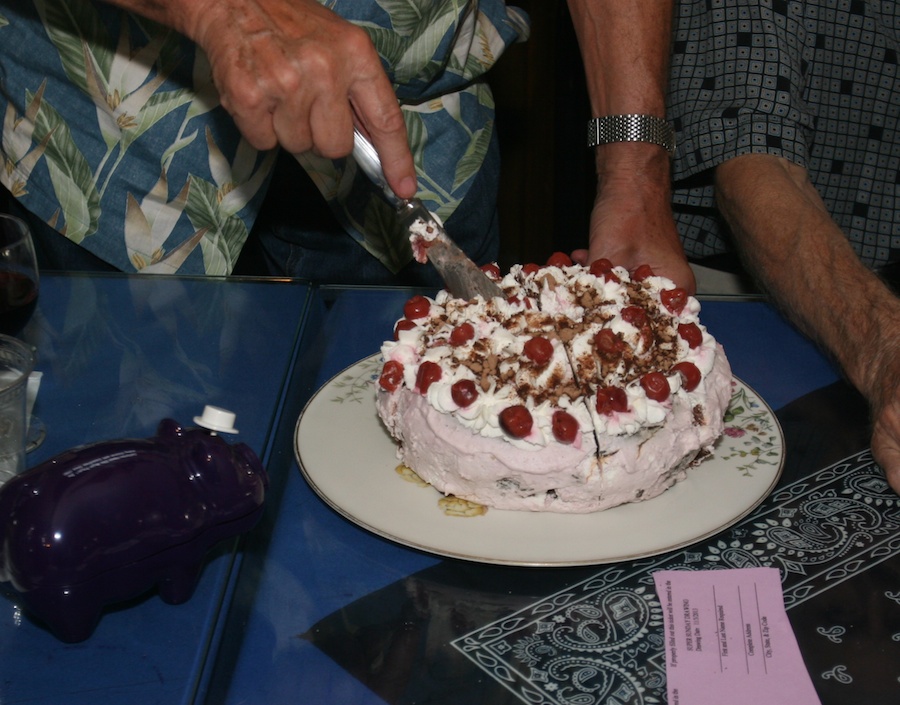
pixel 19 282
pixel 19 288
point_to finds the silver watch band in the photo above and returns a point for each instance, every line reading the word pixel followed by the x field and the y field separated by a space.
pixel 631 128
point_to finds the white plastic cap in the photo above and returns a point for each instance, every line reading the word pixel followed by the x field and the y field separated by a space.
pixel 216 419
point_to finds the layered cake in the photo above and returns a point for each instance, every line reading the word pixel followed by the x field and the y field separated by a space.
pixel 583 389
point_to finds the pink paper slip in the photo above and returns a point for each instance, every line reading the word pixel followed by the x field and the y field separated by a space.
pixel 728 639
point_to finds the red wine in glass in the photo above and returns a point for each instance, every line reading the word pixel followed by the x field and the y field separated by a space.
pixel 18 275
pixel 18 298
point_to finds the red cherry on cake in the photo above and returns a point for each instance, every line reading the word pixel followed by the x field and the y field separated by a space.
pixel 464 392
pixel 656 385
pixel 492 270
pixel 516 421
pixel 539 350
pixel 600 266
pixel 691 334
pixel 608 343
pixel 641 273
pixel 611 399
pixel 428 372
pixel 635 315
pixel 674 299
pixel 530 268
pixel 391 376
pixel 564 425
pixel 604 268
pixel 462 334
pixel 416 307
pixel 559 259
pixel 403 324
pixel 690 375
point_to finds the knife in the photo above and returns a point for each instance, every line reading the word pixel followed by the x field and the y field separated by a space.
pixel 462 277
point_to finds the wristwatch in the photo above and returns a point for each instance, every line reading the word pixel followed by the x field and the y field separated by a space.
pixel 631 128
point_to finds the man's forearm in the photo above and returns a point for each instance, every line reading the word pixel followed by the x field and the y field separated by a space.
pixel 625 48
pixel 185 16
pixel 171 13
pixel 805 262
pixel 803 258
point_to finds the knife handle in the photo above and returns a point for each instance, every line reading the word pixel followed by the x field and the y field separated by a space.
pixel 367 158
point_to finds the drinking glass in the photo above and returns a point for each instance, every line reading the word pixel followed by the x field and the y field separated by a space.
pixel 19 288
pixel 16 365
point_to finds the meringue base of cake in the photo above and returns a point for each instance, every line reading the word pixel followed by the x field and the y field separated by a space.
pixel 575 478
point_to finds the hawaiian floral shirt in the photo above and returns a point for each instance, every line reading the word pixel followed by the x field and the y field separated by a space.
pixel 114 135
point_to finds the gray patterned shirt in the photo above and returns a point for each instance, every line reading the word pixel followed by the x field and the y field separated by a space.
pixel 814 82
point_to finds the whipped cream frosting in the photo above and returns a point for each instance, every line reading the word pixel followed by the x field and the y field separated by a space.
pixel 421 235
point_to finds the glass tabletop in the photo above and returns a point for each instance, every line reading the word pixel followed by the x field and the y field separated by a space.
pixel 118 354
pixel 325 611
pixel 309 607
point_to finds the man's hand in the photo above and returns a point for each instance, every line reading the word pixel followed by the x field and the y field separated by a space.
pixel 295 74
pixel 886 439
pixel 882 388
pixel 631 222
pixel 628 234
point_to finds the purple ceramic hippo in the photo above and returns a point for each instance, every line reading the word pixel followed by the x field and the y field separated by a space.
pixel 106 522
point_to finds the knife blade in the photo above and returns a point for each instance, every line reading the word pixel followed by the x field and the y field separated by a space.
pixel 462 277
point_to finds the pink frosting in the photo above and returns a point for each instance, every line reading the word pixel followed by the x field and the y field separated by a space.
pixel 558 478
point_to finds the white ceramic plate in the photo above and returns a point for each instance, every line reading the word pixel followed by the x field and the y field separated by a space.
pixel 349 459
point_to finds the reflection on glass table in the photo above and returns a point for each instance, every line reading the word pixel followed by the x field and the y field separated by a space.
pixel 119 354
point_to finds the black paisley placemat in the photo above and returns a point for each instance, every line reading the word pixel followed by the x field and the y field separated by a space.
pixel 466 633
